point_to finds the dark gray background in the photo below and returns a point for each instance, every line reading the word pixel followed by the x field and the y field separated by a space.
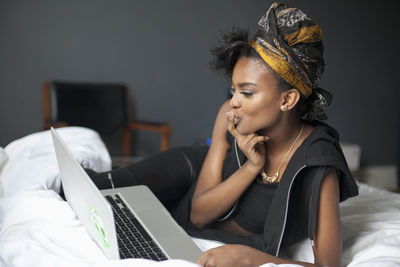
pixel 161 49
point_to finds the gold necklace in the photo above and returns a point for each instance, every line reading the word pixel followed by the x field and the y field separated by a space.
pixel 272 179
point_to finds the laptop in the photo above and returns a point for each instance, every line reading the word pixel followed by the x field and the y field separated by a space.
pixel 126 222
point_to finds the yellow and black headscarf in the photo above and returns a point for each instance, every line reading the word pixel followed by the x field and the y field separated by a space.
pixel 291 44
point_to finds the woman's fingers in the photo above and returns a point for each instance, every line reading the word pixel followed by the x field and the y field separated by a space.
pixel 254 150
pixel 232 121
pixel 228 256
pixel 207 259
pixel 202 261
pixel 244 141
pixel 256 140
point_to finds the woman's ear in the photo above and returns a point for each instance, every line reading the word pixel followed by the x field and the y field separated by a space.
pixel 290 99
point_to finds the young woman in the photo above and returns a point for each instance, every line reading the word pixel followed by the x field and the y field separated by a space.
pixel 273 174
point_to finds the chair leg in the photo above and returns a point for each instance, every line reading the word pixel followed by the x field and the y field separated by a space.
pixel 164 142
pixel 126 142
pixel 166 132
pixel 46 105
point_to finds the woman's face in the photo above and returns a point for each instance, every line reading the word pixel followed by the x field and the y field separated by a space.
pixel 256 100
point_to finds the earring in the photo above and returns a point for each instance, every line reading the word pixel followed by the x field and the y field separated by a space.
pixel 282 107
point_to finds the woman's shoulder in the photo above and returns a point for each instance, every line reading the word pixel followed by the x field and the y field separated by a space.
pixel 324 150
pixel 321 148
pixel 321 140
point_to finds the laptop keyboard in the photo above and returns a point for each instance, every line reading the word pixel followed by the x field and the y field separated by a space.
pixel 133 239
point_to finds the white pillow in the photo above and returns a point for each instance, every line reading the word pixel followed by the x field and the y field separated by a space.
pixel 3 161
pixel 3 157
pixel 32 163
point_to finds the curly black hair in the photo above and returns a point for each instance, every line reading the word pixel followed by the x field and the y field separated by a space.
pixel 233 45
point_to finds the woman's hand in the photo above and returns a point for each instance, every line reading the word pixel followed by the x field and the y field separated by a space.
pixel 233 255
pixel 252 145
pixel 243 256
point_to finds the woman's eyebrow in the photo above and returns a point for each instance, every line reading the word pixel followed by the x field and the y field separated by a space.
pixel 246 84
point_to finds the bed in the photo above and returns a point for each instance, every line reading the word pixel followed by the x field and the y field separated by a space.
pixel 38 228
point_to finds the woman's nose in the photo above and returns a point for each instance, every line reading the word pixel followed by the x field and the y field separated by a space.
pixel 234 103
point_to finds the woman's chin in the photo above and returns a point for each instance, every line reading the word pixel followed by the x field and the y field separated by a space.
pixel 243 130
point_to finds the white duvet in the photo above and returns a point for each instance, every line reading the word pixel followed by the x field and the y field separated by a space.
pixel 38 228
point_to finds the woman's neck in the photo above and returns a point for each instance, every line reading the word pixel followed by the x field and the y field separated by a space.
pixel 282 135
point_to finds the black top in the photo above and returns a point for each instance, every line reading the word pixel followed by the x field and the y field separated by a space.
pixel 254 206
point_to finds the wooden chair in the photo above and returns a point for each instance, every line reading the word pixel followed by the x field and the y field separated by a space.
pixel 104 107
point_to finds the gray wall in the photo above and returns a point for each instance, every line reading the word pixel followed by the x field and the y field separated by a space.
pixel 160 48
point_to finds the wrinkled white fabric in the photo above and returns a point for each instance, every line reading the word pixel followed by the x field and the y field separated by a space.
pixel 370 230
pixel 3 157
pixel 32 163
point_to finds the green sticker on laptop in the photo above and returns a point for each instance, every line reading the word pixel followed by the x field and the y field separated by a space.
pixel 98 224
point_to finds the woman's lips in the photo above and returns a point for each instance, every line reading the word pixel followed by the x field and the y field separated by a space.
pixel 236 120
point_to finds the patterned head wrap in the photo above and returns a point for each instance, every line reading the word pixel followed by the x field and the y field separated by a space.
pixel 291 44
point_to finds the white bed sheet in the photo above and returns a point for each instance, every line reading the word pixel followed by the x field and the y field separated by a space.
pixel 37 228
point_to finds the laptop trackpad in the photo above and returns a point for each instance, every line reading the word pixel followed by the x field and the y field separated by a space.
pixel 160 223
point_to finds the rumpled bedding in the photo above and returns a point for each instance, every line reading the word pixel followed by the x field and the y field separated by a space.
pixel 38 228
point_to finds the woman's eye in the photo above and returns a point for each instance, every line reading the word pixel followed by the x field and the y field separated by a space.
pixel 245 93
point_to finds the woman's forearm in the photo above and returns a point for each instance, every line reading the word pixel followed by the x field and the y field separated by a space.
pixel 214 202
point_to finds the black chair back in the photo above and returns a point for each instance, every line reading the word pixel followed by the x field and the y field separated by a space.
pixel 102 107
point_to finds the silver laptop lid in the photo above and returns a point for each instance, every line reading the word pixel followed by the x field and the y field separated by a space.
pixel 86 200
